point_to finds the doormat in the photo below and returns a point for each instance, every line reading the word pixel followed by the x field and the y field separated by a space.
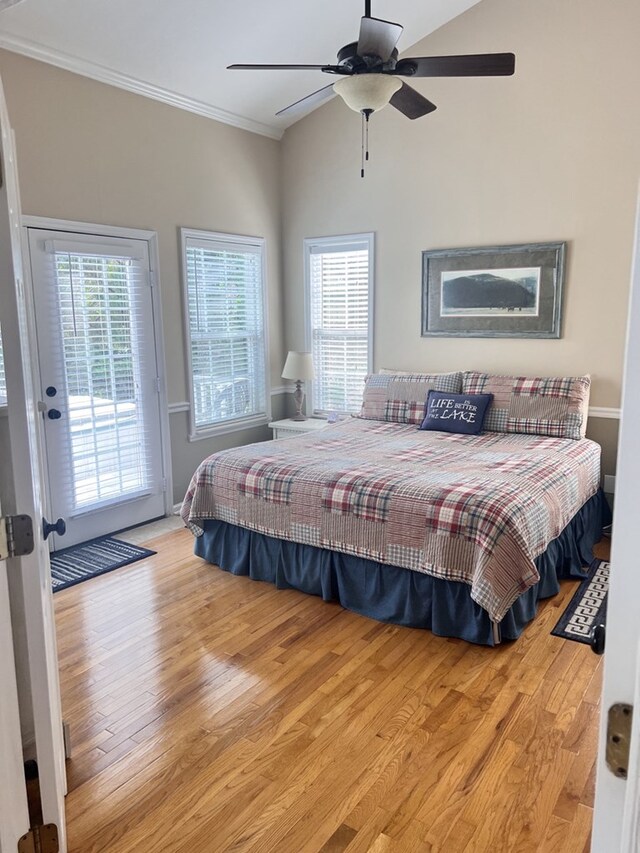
pixel 588 607
pixel 90 559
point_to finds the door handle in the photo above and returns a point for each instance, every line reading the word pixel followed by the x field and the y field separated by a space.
pixel 59 527
pixel 54 414
pixel 597 639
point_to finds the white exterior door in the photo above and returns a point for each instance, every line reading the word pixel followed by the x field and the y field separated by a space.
pixel 31 610
pixel 617 808
pixel 99 381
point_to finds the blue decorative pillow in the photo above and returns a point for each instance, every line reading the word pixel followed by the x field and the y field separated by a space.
pixel 463 413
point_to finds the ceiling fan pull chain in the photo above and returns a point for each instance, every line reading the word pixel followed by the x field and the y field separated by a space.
pixel 364 139
pixel 367 113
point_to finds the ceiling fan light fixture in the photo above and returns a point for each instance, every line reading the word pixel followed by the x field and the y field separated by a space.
pixel 363 92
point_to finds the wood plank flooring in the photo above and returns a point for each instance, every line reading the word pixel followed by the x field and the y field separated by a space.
pixel 213 713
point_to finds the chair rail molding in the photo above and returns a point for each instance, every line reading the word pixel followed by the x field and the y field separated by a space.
pixel 604 412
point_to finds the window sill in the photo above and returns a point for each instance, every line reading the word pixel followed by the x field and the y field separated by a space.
pixel 229 427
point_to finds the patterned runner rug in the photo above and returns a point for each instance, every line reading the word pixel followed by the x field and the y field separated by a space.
pixel 89 559
pixel 588 607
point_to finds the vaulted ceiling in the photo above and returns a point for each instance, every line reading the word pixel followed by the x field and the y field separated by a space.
pixel 177 51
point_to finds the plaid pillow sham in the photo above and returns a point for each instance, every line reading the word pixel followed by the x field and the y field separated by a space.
pixel 550 406
pixel 401 397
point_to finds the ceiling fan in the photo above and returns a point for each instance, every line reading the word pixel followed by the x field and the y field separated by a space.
pixel 369 71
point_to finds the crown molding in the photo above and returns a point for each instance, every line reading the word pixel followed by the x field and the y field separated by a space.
pixel 33 50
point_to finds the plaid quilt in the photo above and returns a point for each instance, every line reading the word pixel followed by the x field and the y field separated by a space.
pixel 476 509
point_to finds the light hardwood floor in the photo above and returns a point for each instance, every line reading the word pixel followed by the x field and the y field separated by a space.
pixel 210 713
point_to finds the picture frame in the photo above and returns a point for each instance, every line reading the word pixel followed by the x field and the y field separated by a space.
pixel 494 291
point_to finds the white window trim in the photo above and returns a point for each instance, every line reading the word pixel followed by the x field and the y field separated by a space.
pixel 336 241
pixel 238 424
pixel 3 398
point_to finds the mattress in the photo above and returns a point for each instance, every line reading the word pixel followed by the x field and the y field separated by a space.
pixel 472 509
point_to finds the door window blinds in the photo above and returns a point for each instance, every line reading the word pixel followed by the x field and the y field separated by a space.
pixel 102 321
pixel 339 278
pixel 226 330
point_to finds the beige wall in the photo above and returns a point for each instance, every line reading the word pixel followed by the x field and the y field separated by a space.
pixel 93 153
pixel 550 154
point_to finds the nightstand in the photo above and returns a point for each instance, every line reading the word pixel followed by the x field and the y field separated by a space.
pixel 287 428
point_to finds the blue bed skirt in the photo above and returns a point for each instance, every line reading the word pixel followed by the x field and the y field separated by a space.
pixel 393 594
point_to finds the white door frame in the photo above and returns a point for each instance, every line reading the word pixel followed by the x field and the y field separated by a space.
pixel 151 238
pixel 14 814
pixel 617 810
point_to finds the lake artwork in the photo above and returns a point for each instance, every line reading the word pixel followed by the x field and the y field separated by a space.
pixel 490 292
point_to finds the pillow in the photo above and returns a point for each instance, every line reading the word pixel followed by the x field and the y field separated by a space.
pixel 462 413
pixel 401 397
pixel 553 406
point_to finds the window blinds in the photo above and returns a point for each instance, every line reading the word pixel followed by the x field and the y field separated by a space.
pixel 226 330
pixel 339 315
pixel 102 314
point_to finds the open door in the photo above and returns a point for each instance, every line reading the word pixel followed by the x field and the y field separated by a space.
pixel 617 807
pixel 14 817
pixel 28 577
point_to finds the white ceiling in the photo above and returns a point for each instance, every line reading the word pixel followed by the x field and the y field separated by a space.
pixel 177 50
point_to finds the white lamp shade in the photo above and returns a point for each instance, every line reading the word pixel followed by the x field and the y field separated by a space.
pixel 367 91
pixel 299 365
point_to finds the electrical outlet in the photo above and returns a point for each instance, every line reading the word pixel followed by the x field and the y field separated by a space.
pixel 609 483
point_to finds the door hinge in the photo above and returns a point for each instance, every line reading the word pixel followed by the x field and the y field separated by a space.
pixel 66 737
pixel 164 484
pixel 152 278
pixel 16 536
pixel 618 739
pixel 40 839
pixel 158 384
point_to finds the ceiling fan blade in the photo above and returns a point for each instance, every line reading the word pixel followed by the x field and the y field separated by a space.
pixel 378 38
pixel 471 65
pixel 308 102
pixel 411 103
pixel 279 67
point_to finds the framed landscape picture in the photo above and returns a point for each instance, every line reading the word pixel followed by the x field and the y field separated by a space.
pixel 493 292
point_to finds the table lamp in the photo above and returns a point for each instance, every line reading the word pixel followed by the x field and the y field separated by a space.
pixel 298 366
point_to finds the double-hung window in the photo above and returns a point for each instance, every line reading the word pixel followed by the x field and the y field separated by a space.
pixel 339 319
pixel 225 327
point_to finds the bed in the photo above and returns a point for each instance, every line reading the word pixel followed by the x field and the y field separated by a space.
pixel 459 534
